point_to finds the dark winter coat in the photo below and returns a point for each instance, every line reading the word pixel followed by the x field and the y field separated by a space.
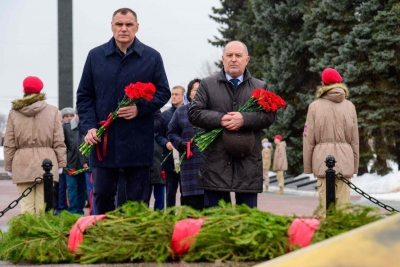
pixel 219 170
pixel 71 139
pixel 155 170
pixel 106 73
pixel 162 140
pixel 181 130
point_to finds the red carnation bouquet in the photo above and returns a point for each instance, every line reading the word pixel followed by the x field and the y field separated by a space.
pixel 260 100
pixel 133 94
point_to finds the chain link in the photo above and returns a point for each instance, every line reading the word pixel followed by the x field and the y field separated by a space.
pixel 38 180
pixel 358 190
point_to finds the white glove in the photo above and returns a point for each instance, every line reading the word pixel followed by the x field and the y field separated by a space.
pixel 60 170
pixel 9 174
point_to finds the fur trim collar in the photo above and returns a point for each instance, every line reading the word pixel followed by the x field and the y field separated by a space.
pixel 321 91
pixel 27 100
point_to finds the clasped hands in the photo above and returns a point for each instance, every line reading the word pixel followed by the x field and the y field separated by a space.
pixel 232 121
pixel 127 113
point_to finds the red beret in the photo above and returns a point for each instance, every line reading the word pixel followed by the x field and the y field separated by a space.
pixel 32 85
pixel 278 137
pixel 330 76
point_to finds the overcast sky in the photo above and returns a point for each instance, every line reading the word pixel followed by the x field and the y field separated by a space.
pixel 178 29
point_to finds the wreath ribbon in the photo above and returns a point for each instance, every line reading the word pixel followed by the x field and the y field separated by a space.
pixel 104 124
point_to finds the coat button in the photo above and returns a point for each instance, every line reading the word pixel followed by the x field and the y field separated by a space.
pixel 229 163
pixel 234 103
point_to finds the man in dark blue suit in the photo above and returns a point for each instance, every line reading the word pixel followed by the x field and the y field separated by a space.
pixel 109 68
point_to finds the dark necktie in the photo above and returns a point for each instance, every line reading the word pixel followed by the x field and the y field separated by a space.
pixel 235 82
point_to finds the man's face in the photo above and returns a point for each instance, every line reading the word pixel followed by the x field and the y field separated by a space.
pixel 68 117
pixel 177 97
pixel 277 141
pixel 235 59
pixel 124 28
pixel 194 90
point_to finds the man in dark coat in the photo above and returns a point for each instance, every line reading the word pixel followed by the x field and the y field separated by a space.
pixel 109 68
pixel 216 104
pixel 168 165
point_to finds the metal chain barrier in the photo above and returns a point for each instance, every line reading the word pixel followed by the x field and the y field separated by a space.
pixel 358 190
pixel 38 180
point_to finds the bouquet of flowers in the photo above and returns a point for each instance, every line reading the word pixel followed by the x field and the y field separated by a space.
pixel 73 172
pixel 133 93
pixel 260 100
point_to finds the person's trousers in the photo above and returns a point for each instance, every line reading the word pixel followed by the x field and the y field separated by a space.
pixel 194 201
pixel 62 192
pixel 105 182
pixel 55 198
pixel 76 193
pixel 211 198
pixel 89 187
pixel 172 187
pixel 159 196
pixel 266 177
pixel 281 178
pixel 342 194
pixel 33 202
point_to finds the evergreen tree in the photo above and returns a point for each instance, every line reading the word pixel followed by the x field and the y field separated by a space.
pixel 238 23
pixel 370 56
pixel 286 70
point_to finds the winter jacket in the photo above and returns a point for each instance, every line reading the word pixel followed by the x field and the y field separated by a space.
pixel 180 131
pixel 219 170
pixel 71 135
pixel 266 157
pixel 155 170
pixel 162 140
pixel 280 159
pixel 106 73
pixel 331 129
pixel 34 133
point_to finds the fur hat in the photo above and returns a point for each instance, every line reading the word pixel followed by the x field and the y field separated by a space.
pixel 330 76
pixel 67 111
pixel 32 85
pixel 278 137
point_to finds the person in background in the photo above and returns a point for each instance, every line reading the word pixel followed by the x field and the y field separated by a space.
pixel 266 158
pixel 331 129
pixel 109 68
pixel 168 166
pixel 76 183
pixel 216 105
pixel 85 164
pixel 66 114
pixel 280 162
pixel 33 134
pixel 157 179
pixel 180 132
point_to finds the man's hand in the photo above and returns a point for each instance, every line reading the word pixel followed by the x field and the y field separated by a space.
pixel 232 121
pixel 169 146
pixel 91 137
pixel 128 112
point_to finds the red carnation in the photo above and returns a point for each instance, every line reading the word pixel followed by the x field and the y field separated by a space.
pixel 71 172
